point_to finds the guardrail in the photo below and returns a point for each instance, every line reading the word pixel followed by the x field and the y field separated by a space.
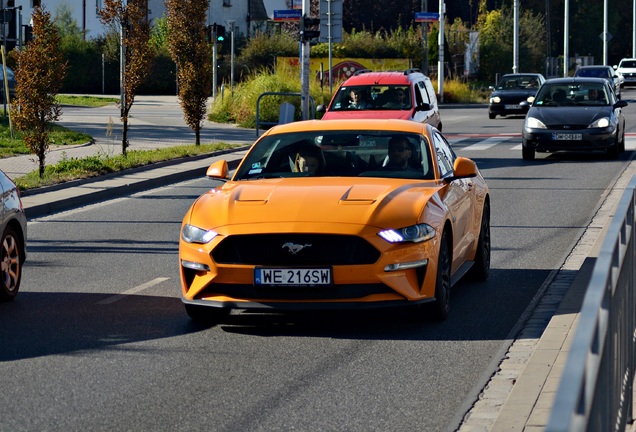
pixel 596 389
pixel 258 108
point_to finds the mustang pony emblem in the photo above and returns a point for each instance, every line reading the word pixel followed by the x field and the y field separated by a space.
pixel 295 248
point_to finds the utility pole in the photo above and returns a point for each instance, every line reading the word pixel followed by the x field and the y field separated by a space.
pixel 304 64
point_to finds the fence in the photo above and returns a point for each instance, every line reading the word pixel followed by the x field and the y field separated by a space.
pixel 596 389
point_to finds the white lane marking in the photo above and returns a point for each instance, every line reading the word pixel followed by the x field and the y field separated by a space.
pixel 486 144
pixel 630 143
pixel 135 290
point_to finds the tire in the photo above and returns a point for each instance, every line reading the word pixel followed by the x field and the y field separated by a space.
pixel 527 153
pixel 441 306
pixel 492 116
pixel 481 267
pixel 205 315
pixel 11 254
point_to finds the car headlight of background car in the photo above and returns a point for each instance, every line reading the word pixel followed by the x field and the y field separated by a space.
pixel 600 123
pixel 495 99
pixel 534 123
pixel 414 233
pixel 192 234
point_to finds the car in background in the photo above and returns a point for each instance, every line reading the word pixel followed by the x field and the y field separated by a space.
pixel 10 82
pixel 510 91
pixel 606 72
pixel 574 114
pixel 627 69
pixel 13 229
pixel 337 214
pixel 379 90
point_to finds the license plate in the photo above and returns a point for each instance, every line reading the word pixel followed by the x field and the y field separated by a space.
pixel 292 276
pixel 567 136
pixel 512 107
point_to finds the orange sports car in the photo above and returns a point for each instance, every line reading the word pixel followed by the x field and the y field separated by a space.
pixel 333 214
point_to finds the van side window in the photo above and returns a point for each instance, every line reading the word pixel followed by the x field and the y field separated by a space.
pixel 422 89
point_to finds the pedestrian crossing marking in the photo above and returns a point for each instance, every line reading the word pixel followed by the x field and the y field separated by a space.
pixel 486 144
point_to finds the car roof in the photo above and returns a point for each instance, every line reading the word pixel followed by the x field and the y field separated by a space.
pixel 388 125
pixel 366 77
pixel 594 67
pixel 521 74
pixel 575 80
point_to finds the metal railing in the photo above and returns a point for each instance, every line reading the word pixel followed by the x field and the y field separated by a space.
pixel 258 107
pixel 596 389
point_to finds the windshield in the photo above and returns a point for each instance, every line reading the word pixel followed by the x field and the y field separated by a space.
pixel 628 64
pixel 594 72
pixel 338 153
pixel 585 94
pixel 517 82
pixel 375 97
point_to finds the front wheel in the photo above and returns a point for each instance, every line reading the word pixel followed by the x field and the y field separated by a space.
pixel 527 153
pixel 481 266
pixel 11 254
pixel 492 116
pixel 441 306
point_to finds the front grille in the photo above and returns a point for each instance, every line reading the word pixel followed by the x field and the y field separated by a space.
pixel 295 250
pixel 296 293
pixel 569 128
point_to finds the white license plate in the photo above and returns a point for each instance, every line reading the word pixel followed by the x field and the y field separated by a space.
pixel 292 276
pixel 567 136
pixel 512 107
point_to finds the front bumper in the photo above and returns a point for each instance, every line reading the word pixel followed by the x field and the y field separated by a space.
pixel 545 140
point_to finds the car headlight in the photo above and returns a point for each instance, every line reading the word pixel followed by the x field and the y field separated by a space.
pixel 600 123
pixel 534 123
pixel 414 233
pixel 495 99
pixel 192 234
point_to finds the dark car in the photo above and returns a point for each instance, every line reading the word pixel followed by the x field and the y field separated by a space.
pixel 13 229
pixel 574 114
pixel 10 82
pixel 606 72
pixel 510 91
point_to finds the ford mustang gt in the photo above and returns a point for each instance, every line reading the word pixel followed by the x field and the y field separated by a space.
pixel 335 214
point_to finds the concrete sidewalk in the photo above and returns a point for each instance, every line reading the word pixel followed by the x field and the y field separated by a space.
pixel 518 396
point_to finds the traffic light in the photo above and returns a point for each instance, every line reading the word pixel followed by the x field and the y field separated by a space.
pixel 309 28
pixel 220 33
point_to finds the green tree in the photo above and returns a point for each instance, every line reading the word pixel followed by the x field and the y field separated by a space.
pixel 193 55
pixel 131 18
pixel 39 75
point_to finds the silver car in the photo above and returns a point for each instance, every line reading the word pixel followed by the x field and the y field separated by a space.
pixel 13 241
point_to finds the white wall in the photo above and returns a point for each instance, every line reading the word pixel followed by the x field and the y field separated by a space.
pixel 85 13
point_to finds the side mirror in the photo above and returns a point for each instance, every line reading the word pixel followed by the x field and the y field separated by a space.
pixel 423 107
pixel 218 170
pixel 620 104
pixel 464 168
pixel 321 108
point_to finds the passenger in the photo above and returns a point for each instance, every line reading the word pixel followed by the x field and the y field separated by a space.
pixel 399 154
pixel 397 99
pixel 310 159
pixel 358 99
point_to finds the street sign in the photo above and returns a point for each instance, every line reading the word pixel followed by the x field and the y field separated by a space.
pixel 287 15
pixel 426 17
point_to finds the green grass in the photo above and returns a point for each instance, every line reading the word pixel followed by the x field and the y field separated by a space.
pixel 87 101
pixel 11 143
pixel 73 169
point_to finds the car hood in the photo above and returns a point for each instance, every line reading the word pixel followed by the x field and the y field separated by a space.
pixel 369 114
pixel 569 115
pixel 520 94
pixel 332 200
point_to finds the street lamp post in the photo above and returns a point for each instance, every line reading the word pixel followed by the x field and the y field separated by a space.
pixel 231 24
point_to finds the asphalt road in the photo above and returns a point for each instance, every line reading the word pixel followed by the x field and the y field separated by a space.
pixel 98 338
